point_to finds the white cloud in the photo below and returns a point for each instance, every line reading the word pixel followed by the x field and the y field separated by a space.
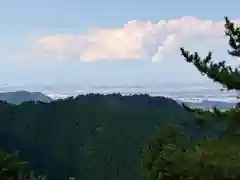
pixel 138 40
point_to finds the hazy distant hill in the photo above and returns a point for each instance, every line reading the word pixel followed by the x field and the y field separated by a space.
pixel 18 97
pixel 21 96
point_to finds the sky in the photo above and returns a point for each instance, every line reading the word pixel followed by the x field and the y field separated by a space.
pixel 109 42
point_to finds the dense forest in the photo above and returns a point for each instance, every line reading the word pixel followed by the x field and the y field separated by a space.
pixel 89 137
pixel 115 137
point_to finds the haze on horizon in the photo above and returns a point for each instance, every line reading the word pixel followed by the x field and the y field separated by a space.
pixel 109 43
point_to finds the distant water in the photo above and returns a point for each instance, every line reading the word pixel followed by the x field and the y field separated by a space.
pixel 186 93
pixel 189 94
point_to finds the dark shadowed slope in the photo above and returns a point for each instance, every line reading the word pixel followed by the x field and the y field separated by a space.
pixel 89 137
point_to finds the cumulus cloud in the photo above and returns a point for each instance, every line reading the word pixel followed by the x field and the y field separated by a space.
pixel 137 40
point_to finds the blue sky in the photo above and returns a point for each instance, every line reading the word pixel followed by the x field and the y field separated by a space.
pixel 24 23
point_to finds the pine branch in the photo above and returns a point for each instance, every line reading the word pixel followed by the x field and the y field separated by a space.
pixel 218 72
pixel 234 37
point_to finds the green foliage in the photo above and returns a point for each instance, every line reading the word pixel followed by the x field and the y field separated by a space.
pixel 87 137
pixel 173 156
pixel 13 169
pixel 167 142
pixel 9 165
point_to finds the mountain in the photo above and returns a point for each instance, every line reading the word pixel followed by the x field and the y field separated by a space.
pixel 91 136
pixel 18 97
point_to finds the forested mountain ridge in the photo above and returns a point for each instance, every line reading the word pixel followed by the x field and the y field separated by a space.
pixel 89 137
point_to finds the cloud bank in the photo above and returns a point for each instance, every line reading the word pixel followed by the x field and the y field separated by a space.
pixel 137 40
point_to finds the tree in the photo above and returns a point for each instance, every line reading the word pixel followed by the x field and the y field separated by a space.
pixel 160 153
pixel 219 72
pixel 11 168
pixel 209 159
